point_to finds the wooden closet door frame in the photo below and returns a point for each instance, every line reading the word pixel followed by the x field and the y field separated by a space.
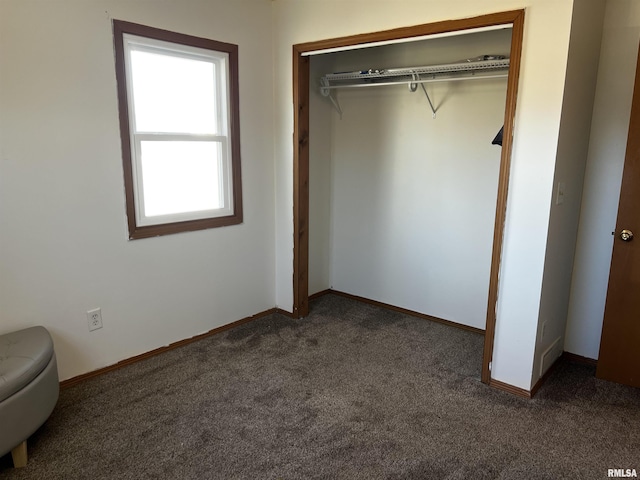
pixel 301 150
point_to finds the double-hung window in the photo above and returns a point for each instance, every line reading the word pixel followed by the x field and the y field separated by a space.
pixel 178 101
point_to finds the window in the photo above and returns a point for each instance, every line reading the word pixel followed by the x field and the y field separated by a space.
pixel 178 103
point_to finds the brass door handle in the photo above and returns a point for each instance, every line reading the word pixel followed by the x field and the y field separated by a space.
pixel 626 235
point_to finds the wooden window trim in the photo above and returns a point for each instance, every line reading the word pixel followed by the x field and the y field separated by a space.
pixel 136 231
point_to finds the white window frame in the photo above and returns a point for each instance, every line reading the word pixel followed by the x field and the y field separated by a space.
pixel 132 37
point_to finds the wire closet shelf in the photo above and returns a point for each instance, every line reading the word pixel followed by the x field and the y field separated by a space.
pixel 413 76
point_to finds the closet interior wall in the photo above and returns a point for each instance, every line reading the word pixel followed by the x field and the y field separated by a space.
pixel 402 205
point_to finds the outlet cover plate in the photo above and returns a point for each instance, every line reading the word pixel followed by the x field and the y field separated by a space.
pixel 94 317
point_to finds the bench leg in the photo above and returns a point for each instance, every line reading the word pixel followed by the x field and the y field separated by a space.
pixel 19 455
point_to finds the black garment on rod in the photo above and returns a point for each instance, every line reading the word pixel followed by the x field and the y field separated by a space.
pixel 498 139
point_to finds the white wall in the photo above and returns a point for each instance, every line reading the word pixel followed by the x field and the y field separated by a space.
pixel 63 246
pixel 63 234
pixel 573 145
pixel 603 176
pixel 320 173
pixel 546 38
pixel 413 198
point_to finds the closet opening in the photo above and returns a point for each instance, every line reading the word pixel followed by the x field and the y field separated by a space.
pixel 362 209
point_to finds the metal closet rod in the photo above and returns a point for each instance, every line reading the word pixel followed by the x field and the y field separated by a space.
pixel 413 82
pixel 486 66
pixel 413 85
pixel 485 63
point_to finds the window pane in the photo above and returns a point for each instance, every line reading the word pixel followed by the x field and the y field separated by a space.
pixel 180 177
pixel 173 94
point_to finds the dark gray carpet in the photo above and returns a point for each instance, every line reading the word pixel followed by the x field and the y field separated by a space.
pixel 353 391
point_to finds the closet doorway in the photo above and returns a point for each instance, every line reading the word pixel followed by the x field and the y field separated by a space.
pixel 301 84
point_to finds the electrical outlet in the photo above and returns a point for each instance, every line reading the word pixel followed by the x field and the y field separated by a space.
pixel 94 317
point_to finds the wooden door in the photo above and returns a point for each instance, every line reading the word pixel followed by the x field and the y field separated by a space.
pixel 619 359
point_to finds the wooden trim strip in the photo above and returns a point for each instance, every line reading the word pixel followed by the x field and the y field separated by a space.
pixel 129 361
pixel 280 311
pixel 406 311
pixel 523 393
pixel 505 387
pixel 572 357
pixel 301 74
pixel 489 20
pixel 517 35
pixel 320 294
pixel 546 375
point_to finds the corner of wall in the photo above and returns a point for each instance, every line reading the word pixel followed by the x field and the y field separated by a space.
pixel 573 146
pixel 610 126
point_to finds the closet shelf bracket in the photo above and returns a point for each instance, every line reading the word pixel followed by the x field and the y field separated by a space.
pixel 430 103
pixel 483 67
pixel 326 92
pixel 413 86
